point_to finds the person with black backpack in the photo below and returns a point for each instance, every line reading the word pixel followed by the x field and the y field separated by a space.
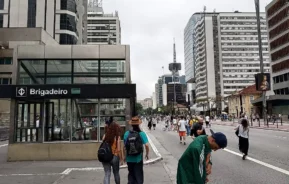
pixel 134 141
pixel 110 152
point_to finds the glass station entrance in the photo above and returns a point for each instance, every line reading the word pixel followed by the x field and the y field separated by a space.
pixel 66 119
pixel 70 100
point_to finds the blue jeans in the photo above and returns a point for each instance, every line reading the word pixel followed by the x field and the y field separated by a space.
pixel 188 130
pixel 114 164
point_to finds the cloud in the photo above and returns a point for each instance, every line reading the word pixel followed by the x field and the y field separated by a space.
pixel 149 27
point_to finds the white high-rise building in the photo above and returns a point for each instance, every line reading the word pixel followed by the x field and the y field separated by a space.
pixel 102 28
pixel 204 58
pixel 226 53
pixel 189 47
pixel 240 51
pixel 62 19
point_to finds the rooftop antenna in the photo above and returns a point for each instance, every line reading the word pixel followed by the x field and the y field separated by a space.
pixel 175 55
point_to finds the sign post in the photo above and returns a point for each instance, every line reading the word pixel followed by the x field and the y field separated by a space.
pixel 257 6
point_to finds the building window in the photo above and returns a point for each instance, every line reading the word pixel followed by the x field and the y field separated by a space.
pixel 1 4
pixel 1 20
pixel 67 22
pixel 69 5
pixel 31 20
pixel 66 39
pixel 5 61
pixel 5 81
pixel 251 98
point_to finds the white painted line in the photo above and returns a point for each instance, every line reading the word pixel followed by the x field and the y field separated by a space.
pixel 260 162
pixel 3 145
pixel 153 145
pixel 41 174
pixel 66 171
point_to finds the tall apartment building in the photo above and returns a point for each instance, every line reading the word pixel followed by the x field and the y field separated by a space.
pixel 277 22
pixel 278 35
pixel 59 18
pixel 189 55
pixel 103 28
pixel 204 57
pixel 188 47
pixel 240 51
pixel 226 53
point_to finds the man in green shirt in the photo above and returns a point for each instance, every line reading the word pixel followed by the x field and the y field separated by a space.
pixel 195 163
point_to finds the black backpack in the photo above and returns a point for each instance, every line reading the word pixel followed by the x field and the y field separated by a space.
pixel 104 152
pixel 134 144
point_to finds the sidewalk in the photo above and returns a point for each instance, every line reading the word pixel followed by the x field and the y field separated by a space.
pixel 284 127
pixel 75 172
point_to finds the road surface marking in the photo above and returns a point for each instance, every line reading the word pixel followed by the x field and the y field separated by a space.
pixel 41 174
pixel 3 145
pixel 260 162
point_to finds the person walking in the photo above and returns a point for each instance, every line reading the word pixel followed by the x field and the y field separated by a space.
pixel 182 130
pixel 195 164
pixel 150 123
pixel 243 133
pixel 207 121
pixel 155 119
pixel 198 128
pixel 112 137
pixel 188 125
pixel 134 141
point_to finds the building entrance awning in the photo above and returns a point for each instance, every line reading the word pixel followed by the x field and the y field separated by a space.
pixel 78 91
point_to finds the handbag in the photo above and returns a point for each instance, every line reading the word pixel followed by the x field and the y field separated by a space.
pixel 237 132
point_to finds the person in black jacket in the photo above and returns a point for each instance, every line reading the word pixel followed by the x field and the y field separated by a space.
pixel 198 128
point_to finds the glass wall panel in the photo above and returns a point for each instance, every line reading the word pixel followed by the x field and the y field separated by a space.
pixel 57 120
pixel 28 122
pixel 59 72
pixel 112 108
pixel 32 72
pixel 85 72
pixel 112 71
pixel 86 122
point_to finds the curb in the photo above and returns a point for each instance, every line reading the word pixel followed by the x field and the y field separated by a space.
pixel 147 162
pixel 255 127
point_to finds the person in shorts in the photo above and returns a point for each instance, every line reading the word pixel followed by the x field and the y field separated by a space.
pixel 182 130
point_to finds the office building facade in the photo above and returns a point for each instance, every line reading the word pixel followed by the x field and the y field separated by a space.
pixel 240 51
pixel 62 19
pixel 226 54
pixel 189 47
pixel 146 103
pixel 278 34
pixel 277 19
pixel 103 28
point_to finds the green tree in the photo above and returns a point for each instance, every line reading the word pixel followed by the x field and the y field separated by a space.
pixel 149 111
pixel 138 108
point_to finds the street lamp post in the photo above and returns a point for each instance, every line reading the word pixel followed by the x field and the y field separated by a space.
pixel 261 56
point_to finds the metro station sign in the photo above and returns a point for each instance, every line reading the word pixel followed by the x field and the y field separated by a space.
pixel 62 91
pixel 23 92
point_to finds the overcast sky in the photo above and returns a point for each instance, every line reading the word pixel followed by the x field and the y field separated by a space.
pixel 149 27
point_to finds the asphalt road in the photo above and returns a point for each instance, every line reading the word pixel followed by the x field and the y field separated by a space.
pixel 271 147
